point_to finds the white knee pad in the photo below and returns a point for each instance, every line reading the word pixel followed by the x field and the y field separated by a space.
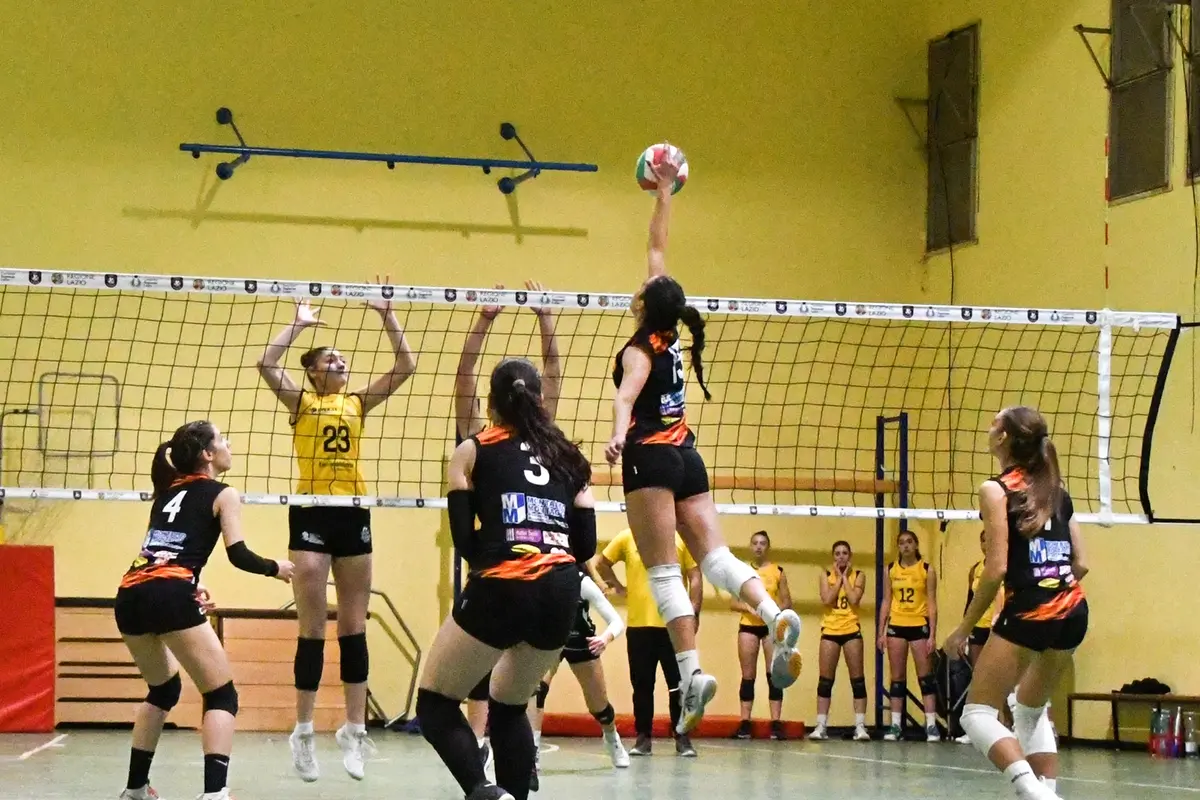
pixel 1033 729
pixel 982 724
pixel 724 571
pixel 666 584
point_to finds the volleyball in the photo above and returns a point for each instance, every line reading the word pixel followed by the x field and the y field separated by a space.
pixel 655 154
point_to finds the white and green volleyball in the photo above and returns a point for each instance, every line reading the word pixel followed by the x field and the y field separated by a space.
pixel 655 154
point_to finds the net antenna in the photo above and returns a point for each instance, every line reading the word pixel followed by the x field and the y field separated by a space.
pixel 799 388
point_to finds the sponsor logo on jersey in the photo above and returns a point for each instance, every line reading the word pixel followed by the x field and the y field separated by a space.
pixel 1044 552
pixel 512 506
pixel 518 507
pixel 159 538
pixel 522 535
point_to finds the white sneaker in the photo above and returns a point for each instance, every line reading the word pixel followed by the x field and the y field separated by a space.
pixel 964 739
pixel 304 755
pixel 221 795
pixel 145 793
pixel 616 750
pixel 933 735
pixel 786 663
pixel 893 734
pixel 861 734
pixel 819 733
pixel 355 748
pixel 700 692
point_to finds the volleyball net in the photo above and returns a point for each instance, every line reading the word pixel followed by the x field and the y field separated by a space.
pixel 97 369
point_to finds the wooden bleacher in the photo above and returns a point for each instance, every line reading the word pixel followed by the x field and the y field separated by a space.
pixel 98 684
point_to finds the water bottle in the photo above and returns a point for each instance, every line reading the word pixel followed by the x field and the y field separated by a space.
pixel 1191 748
pixel 1160 728
pixel 1177 733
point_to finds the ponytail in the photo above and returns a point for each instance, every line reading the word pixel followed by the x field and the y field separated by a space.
pixel 162 471
pixel 516 398
pixel 1032 450
pixel 690 317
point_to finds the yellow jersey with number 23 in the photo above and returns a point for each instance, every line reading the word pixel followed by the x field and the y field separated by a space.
pixel 326 434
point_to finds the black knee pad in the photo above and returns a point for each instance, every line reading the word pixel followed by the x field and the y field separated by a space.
pixel 774 693
pixel 543 691
pixel 825 687
pixel 223 698
pixel 435 712
pixel 898 689
pixel 605 716
pixel 165 695
pixel 859 687
pixel 354 657
pixel 746 691
pixel 928 684
pixel 310 659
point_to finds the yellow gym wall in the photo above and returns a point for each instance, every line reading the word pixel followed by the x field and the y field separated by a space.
pixel 1043 115
pixel 806 183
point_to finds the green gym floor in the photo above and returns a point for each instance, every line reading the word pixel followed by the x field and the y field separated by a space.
pixel 88 764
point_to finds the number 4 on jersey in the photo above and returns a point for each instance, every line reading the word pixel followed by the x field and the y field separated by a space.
pixel 174 506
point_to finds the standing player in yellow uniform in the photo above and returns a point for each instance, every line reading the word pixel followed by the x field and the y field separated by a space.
pixel 841 589
pixel 753 633
pixel 647 642
pixel 908 619
pixel 982 629
pixel 327 423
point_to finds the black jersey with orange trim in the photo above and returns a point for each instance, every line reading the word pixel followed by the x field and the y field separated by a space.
pixel 660 410
pixel 523 510
pixel 1039 583
pixel 182 533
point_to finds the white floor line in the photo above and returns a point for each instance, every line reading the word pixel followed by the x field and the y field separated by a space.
pixel 46 746
pixel 951 768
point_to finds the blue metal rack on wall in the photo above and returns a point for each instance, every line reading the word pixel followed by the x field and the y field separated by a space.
pixel 507 185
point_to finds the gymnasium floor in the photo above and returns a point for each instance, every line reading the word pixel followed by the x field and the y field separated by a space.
pixel 86 765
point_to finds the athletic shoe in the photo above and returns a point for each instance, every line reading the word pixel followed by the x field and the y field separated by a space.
pixel 819 734
pixel 932 734
pixel 743 731
pixel 893 734
pixel 304 755
pixel 616 750
pixel 221 795
pixel 964 739
pixel 786 663
pixel 861 734
pixel 145 793
pixel 354 751
pixel 642 747
pixel 489 791
pixel 777 731
pixel 700 692
pixel 683 746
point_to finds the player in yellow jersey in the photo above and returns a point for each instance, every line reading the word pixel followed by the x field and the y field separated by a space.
pixel 983 629
pixel 841 588
pixel 327 423
pixel 753 635
pixel 908 620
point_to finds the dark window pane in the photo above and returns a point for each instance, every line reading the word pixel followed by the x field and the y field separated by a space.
pixel 951 185
pixel 1139 136
pixel 952 85
pixel 1140 38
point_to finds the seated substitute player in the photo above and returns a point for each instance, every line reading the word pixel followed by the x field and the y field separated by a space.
pixel 1034 548
pixel 582 653
pixel 468 421
pixel 528 486
pixel 160 611
pixel 753 634
pixel 841 589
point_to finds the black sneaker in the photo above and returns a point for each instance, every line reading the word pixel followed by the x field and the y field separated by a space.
pixel 489 791
pixel 777 731
pixel 683 747
pixel 743 730
pixel 642 747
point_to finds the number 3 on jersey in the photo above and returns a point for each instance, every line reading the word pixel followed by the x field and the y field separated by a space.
pixel 174 506
pixel 539 475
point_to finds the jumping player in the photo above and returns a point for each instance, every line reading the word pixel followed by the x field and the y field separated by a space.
pixel 754 635
pixel 908 619
pixel 528 487
pixel 327 423
pixel 664 478
pixel 841 588
pixel 159 608
pixel 468 421
pixel 1034 548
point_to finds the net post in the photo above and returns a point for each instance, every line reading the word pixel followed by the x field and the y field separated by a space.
pixel 1104 415
pixel 902 500
pixel 880 545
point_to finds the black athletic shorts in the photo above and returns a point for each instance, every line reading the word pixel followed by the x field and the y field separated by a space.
pixel 482 690
pixel 158 606
pixel 340 532
pixel 979 636
pixel 761 631
pixel 840 639
pixel 650 466
pixel 909 633
pixel 576 651
pixel 1050 634
pixel 503 612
